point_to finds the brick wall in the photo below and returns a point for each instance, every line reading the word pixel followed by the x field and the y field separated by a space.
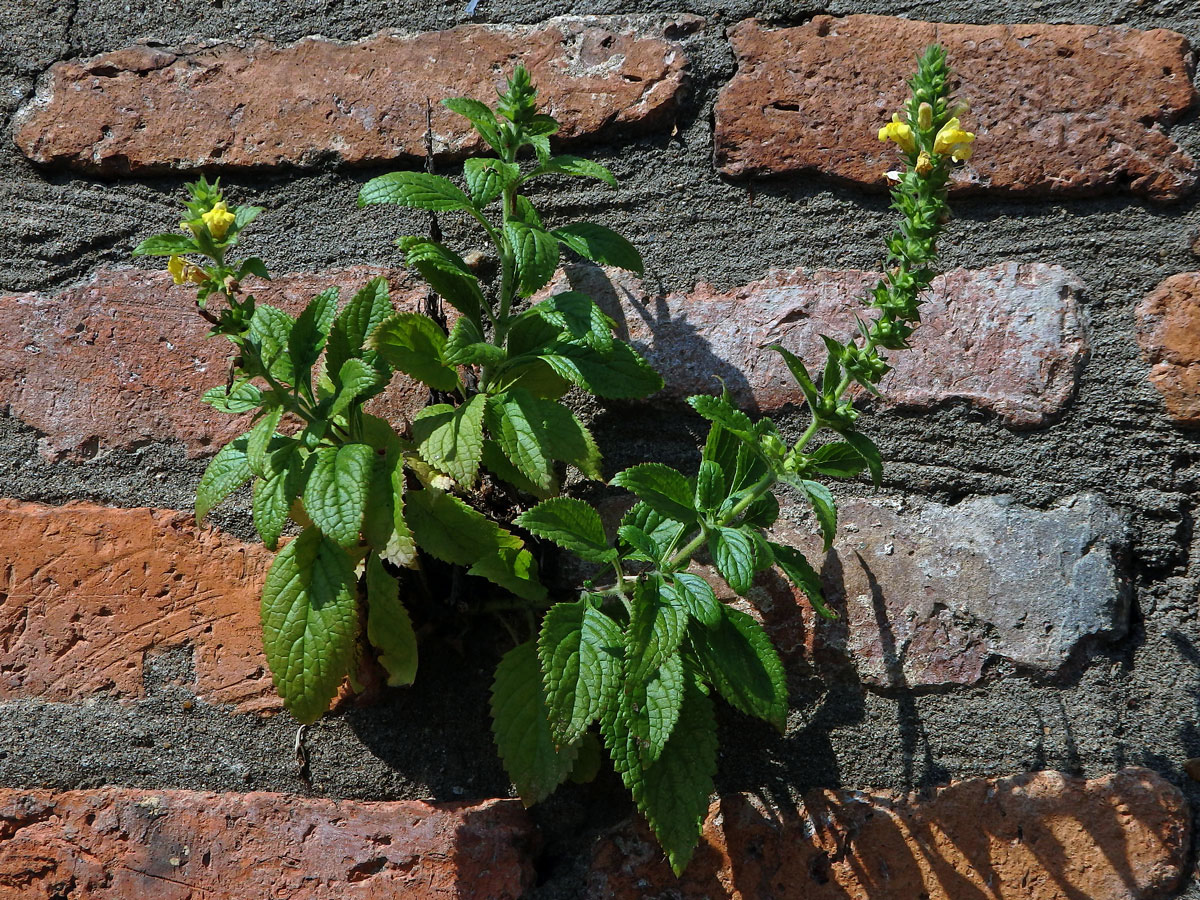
pixel 1009 702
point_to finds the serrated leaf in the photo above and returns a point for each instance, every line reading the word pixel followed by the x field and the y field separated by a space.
pixel 763 512
pixel 480 116
pixel 335 496
pixel 499 465
pixel 868 451
pixel 451 438
pixel 413 344
pixel 645 547
pixel 354 324
pixel 654 707
pixel 307 337
pixel 660 487
pixel 487 178
pixel 797 569
pixel 384 526
pixel 838 460
pixel 619 373
pixel 824 507
pixel 741 663
pixel 253 266
pixel 601 245
pixel 662 531
pixel 694 594
pixel 357 381
pixel 310 622
pixel 227 472
pixel 580 649
pixel 516 425
pixel 567 164
pixel 576 314
pixel 710 486
pixel 733 552
pixel 725 414
pixel 535 252
pixel 275 493
pixel 672 793
pixel 166 245
pixel 389 629
pixel 571 524
pixel 243 397
pixel 418 190
pixel 467 346
pixel 655 629
pixel 522 730
pixel 259 438
pixel 447 274
pixel 525 212
pixel 800 373
pixel 270 329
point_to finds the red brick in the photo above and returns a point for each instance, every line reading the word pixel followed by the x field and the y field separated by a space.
pixel 123 359
pixel 87 591
pixel 1168 330
pixel 125 844
pixel 142 110
pixel 1040 836
pixel 1058 109
pixel 1009 338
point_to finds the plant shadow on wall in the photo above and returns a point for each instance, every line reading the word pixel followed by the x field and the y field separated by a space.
pixel 445 516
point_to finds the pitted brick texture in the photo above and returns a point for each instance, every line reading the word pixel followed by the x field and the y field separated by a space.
pixel 141 110
pixel 125 844
pixel 87 591
pixel 1168 329
pixel 1009 338
pixel 123 360
pixel 1057 109
pixel 1041 836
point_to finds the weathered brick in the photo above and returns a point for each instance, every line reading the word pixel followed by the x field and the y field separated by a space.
pixel 1009 338
pixel 1040 836
pixel 86 592
pixel 932 595
pixel 1168 329
pixel 142 109
pixel 123 359
pixel 125 844
pixel 1058 109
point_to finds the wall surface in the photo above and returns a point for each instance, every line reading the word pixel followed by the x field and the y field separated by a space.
pixel 1009 700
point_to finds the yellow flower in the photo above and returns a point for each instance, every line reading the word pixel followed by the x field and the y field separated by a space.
pixel 954 141
pixel 924 164
pixel 900 133
pixel 218 219
pixel 178 269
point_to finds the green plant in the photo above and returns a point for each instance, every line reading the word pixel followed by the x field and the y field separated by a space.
pixel 640 653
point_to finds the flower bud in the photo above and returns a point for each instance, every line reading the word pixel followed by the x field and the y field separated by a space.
pixel 925 116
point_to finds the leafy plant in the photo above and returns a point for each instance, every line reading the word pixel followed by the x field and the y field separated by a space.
pixel 641 653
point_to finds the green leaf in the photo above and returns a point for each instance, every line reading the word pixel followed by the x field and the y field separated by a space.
pixel 413 344
pixel 521 727
pixel 487 178
pixel 800 373
pixel 335 497
pixel 694 594
pixel 763 512
pixel 358 381
pixel 419 190
pixel 515 422
pixel 838 460
pixel 467 346
pixel 823 505
pixel 310 622
pixel 655 630
pixel 451 438
pixel 710 486
pixel 733 552
pixel 571 524
pixel 868 451
pixel 499 465
pixel 742 664
pixel 389 629
pixel 619 373
pixel 274 494
pixel 567 438
pixel 166 245
pixel 575 313
pixel 801 574
pixel 660 487
pixel 270 329
pixel 672 793
pixel 480 115
pixel 259 438
pixel 566 164
pixel 243 397
pixel 253 266
pixel 601 245
pixel 525 212
pixel 384 526
pixel 514 570
pixel 725 414
pixel 307 337
pixel 645 547
pixel 227 472
pixel 654 707
pixel 447 273
pixel 661 531
pixel 354 324
pixel 580 650
pixel 536 253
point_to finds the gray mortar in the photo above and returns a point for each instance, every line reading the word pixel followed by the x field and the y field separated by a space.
pixel 1136 702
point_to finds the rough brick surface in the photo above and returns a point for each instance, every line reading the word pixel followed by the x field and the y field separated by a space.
pixel 1168 329
pixel 931 595
pixel 123 359
pixel 1041 836
pixel 123 844
pixel 1057 109
pixel 1009 338
pixel 86 592
pixel 141 109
